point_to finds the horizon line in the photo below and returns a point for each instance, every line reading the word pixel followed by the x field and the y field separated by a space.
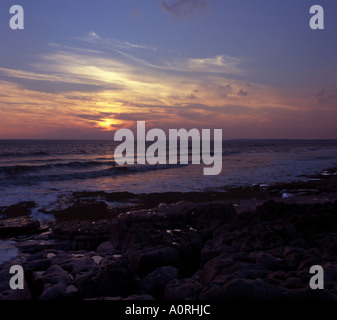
pixel 233 139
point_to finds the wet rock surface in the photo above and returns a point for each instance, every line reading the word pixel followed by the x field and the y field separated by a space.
pixel 182 251
pixel 18 226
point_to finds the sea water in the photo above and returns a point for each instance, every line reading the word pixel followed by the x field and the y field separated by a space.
pixel 44 170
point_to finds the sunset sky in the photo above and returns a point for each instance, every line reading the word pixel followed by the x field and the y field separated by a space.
pixel 82 69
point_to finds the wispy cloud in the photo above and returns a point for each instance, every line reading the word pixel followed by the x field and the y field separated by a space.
pixel 217 64
pixel 93 37
pixel 112 86
pixel 113 69
pixel 17 73
pixel 180 8
pixel 64 47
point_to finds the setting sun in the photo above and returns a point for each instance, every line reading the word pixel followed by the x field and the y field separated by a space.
pixel 108 124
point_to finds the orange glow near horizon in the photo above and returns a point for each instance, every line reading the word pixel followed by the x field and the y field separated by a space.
pixel 86 93
pixel 109 124
pixel 175 64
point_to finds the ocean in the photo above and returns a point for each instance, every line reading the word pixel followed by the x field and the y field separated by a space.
pixel 44 170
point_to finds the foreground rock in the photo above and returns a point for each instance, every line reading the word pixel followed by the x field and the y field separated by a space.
pixel 184 251
pixel 170 236
pixel 18 210
pixel 77 275
pixel 18 226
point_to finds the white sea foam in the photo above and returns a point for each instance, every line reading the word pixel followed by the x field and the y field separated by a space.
pixel 42 171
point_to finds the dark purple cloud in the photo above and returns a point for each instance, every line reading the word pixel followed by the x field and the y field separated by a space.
pixel 324 97
pixel 180 8
pixel 226 88
pixel 243 93
pixel 192 96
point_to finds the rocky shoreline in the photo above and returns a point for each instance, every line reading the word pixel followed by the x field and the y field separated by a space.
pixel 247 243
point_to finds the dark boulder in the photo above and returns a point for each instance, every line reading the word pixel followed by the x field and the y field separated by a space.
pixel 18 226
pixel 189 246
pixel 252 290
pixel 155 282
pixel 84 235
pixel 19 209
pixel 150 258
pixel 113 277
pixel 52 283
pixel 84 210
pixel 183 289
pixel 210 216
